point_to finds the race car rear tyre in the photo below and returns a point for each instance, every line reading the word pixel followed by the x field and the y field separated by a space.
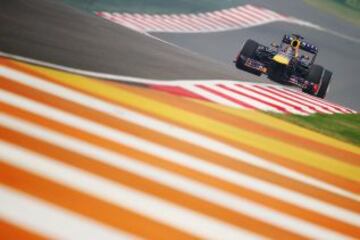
pixel 324 84
pixel 315 73
pixel 314 76
pixel 248 51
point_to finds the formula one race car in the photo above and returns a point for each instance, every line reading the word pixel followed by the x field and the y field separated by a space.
pixel 291 62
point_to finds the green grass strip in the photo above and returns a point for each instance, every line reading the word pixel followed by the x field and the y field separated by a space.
pixel 345 127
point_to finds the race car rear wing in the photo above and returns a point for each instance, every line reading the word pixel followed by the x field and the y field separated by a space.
pixel 307 47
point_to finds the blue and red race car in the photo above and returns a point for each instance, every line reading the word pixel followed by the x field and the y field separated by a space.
pixel 290 62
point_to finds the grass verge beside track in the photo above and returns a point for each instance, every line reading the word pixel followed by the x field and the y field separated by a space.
pixel 347 9
pixel 344 127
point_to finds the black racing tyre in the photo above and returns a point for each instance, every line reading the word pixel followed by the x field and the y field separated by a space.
pixel 315 73
pixel 276 73
pixel 249 48
pixel 324 84
pixel 248 51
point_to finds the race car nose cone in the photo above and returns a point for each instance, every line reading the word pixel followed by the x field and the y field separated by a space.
pixel 279 58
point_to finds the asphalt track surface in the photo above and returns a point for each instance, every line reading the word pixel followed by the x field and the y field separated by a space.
pixel 49 31
pixel 52 32
pixel 336 54
pixel 339 55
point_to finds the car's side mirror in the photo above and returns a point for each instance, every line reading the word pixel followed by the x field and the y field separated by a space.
pixel 274 45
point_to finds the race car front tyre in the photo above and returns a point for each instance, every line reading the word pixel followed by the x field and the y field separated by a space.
pixel 276 73
pixel 324 84
pixel 315 73
pixel 248 51
pixel 249 48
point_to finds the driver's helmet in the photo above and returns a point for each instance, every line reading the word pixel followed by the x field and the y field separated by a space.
pixel 293 49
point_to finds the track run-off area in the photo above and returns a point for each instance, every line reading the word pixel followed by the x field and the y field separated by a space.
pixel 267 97
pixel 105 160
